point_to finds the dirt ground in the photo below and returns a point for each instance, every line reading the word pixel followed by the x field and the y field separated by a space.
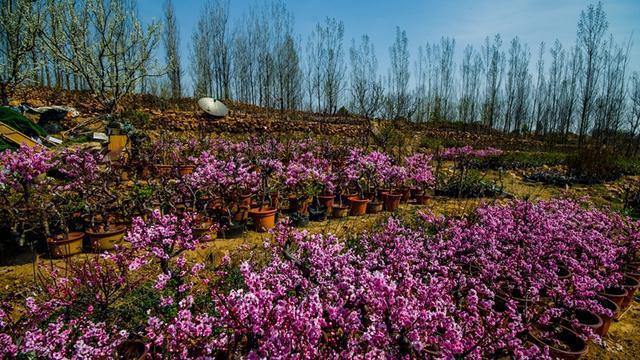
pixel 623 341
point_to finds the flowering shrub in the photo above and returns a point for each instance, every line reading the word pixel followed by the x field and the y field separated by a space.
pixel 307 175
pixel 419 170
pixel 467 152
pixel 465 288
pixel 20 170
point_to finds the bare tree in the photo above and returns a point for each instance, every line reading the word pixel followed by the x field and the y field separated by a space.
pixel 116 49
pixel 171 41
pixel 634 111
pixel 610 105
pixel 200 65
pixel 20 23
pixel 471 69
pixel 591 30
pixel 517 86
pixel 399 99
pixel 569 92
pixel 443 79
pixel 493 59
pixel 367 93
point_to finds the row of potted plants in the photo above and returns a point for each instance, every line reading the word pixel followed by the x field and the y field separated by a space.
pixel 64 194
pixel 519 280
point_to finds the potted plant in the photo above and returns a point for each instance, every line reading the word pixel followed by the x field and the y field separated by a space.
pixel 264 215
pixel 102 205
pixel 25 191
pixel 420 176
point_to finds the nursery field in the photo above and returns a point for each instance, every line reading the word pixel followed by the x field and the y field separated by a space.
pixel 337 238
pixel 212 247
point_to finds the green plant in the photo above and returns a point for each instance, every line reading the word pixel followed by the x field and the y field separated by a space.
pixel 467 184
pixel 519 160
pixel 591 165
pixel 136 118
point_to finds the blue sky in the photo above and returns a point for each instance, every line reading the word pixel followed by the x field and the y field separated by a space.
pixel 468 21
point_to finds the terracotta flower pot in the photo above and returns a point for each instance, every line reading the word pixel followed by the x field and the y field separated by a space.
pixel 163 169
pixel 358 206
pixel 566 344
pixel 606 319
pixel 374 207
pixel 326 201
pixel 631 285
pixel 382 193
pixel 392 201
pixel 106 240
pixel 615 294
pixel 263 219
pixel 185 170
pixel 65 245
pixel 340 211
pixel 245 199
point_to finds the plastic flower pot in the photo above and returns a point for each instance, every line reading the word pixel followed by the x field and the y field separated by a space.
pixel 416 192
pixel 563 342
pixel 298 205
pixel 299 220
pixel 106 240
pixel 263 218
pixel 421 199
pixel 231 231
pixel 132 349
pixel 340 211
pixel 406 194
pixel 631 285
pixel 615 294
pixel 326 201
pixel 374 207
pixel 586 318
pixel 392 201
pixel 563 273
pixel 317 214
pixel 358 206
pixel 606 319
pixel 65 245
pixel 185 170
pixel 633 272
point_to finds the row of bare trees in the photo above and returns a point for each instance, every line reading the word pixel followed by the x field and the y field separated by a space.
pixel 102 46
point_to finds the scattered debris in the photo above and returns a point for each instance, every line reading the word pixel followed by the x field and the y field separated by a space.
pixel 99 136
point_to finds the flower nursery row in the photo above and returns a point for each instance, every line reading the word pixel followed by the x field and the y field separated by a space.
pixel 227 186
pixel 521 280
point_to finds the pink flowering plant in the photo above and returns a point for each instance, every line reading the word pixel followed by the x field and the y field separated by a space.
pixel 419 171
pixel 24 190
pixel 307 176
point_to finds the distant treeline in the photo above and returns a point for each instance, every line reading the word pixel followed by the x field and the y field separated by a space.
pixel 584 88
